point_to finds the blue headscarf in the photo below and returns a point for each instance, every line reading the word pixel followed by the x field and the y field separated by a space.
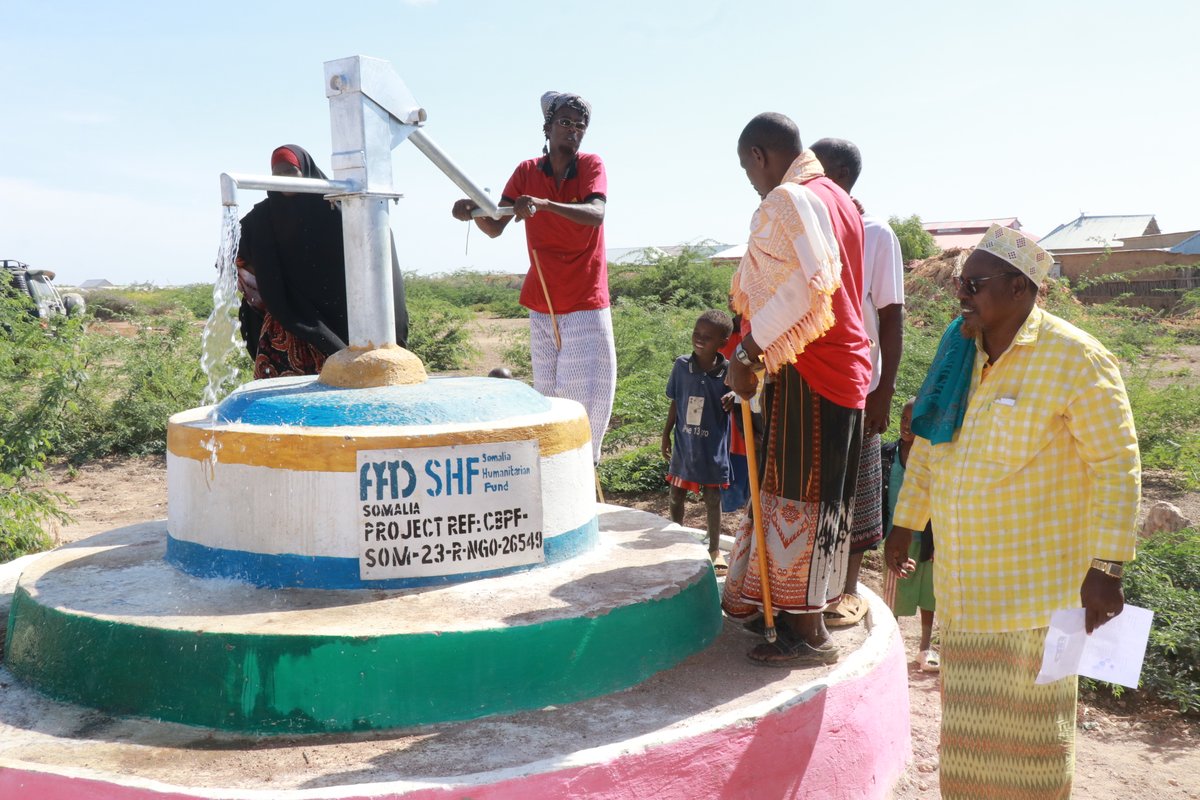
pixel 942 402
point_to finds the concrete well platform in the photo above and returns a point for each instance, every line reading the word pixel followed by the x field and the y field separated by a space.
pixel 713 726
pixel 108 624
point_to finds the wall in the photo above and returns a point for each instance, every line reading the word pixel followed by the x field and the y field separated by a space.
pixel 1154 288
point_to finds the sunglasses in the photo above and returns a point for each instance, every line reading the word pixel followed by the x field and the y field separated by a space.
pixel 570 123
pixel 971 285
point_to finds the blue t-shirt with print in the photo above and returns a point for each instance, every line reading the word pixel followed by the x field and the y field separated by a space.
pixel 701 450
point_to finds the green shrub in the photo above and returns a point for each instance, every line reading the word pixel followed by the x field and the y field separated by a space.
pixel 1166 579
pixel 39 371
pixel 491 292
pixel 929 308
pixel 648 339
pixel 916 243
pixel 639 470
pixel 438 333
pixel 1190 301
pixel 1134 335
pixel 24 510
pixel 107 304
pixel 688 280
pixel 196 298
pixel 130 388
pixel 1167 419
pixel 516 353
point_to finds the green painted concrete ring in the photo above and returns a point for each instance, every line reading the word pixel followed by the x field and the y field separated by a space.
pixel 330 678
pixel 290 684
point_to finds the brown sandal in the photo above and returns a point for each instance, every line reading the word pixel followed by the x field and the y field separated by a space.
pixel 849 611
pixel 786 653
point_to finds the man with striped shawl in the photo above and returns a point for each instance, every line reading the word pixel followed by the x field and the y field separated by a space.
pixel 1027 463
pixel 799 291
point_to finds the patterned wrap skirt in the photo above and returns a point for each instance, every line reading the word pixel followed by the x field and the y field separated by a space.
pixel 809 470
pixel 1003 736
pixel 866 526
pixel 282 353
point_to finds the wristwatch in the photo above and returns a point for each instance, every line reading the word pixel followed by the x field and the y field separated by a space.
pixel 741 355
pixel 1112 569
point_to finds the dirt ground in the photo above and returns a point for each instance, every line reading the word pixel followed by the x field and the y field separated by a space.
pixel 1121 752
pixel 491 336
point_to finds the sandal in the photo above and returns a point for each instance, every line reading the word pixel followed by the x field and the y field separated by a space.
pixel 720 566
pixel 789 654
pixel 928 661
pixel 849 611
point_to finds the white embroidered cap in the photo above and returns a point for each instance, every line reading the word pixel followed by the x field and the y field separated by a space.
pixel 1019 250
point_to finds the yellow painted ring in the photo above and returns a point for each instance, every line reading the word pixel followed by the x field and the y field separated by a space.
pixel 326 450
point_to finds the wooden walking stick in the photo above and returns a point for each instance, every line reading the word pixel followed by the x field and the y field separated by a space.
pixel 760 539
pixel 537 264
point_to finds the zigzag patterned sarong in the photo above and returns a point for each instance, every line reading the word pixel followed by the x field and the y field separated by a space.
pixel 1002 735
pixel 808 468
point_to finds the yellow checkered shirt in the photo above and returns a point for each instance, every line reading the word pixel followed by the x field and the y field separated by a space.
pixel 1043 476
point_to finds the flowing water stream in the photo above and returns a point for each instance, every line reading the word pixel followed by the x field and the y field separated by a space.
pixel 221 340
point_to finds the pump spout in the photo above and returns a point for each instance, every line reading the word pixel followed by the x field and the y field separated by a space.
pixel 231 181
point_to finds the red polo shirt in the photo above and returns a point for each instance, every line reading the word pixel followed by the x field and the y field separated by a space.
pixel 571 255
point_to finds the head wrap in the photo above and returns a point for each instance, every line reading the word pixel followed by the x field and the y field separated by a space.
pixel 284 155
pixel 553 101
pixel 1019 250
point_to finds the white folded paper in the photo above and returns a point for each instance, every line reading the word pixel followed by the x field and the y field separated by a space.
pixel 1114 652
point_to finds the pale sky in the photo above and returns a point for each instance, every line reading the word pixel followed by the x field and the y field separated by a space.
pixel 119 117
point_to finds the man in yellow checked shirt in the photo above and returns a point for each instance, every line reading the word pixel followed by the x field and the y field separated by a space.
pixel 1028 466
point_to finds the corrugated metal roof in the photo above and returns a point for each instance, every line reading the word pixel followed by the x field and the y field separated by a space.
pixel 633 255
pixel 948 241
pixel 1189 247
pixel 1098 232
pixel 1156 241
pixel 957 226
pixel 646 254
pixel 730 253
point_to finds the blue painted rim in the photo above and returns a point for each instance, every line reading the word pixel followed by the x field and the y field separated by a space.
pixel 439 401
pixel 290 571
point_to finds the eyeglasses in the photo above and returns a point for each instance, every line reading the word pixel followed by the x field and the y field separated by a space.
pixel 570 123
pixel 972 284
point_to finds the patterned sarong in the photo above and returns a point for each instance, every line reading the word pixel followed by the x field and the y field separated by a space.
pixel 866 527
pixel 282 353
pixel 1002 735
pixel 809 468
pixel 585 370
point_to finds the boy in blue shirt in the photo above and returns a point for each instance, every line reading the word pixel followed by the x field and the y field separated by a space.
pixel 699 416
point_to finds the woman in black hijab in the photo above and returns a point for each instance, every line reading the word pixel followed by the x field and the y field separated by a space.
pixel 291 247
